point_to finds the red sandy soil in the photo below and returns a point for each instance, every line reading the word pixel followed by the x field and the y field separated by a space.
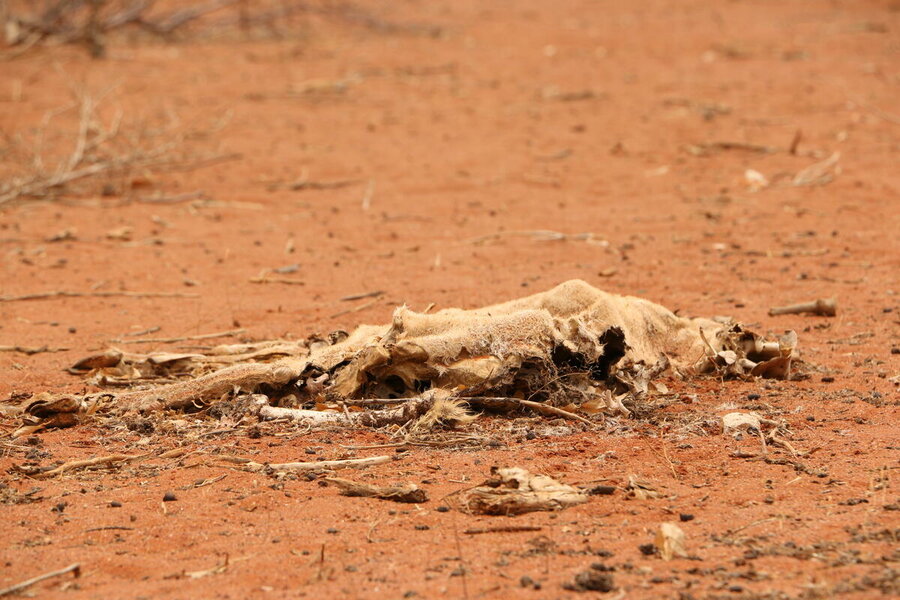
pixel 472 119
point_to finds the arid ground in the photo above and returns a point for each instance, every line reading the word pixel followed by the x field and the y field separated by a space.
pixel 415 148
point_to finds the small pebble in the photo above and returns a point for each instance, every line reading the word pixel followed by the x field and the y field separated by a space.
pixel 647 549
pixel 686 517
pixel 592 581
pixel 169 497
pixel 115 504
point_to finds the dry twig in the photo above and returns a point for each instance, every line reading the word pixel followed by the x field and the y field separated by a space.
pixel 68 294
pixel 77 465
pixel 172 340
pixel 31 349
pixel 73 568
pixel 283 280
pixel 540 407
pixel 712 147
pixel 352 297
pixel 359 308
pixel 502 529
pixel 543 235
pixel 410 492
pixel 350 463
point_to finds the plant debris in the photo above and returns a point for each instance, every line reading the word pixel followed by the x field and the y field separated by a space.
pixel 819 173
pixel 410 492
pixel 514 491
pixel 641 488
pixel 75 569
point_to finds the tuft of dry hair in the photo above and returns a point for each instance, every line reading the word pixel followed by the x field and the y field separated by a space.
pixel 444 411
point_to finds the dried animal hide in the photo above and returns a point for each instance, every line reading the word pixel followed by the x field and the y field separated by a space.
pixel 573 344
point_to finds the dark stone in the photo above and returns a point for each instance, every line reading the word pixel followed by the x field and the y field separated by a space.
pixel 592 581
pixel 648 549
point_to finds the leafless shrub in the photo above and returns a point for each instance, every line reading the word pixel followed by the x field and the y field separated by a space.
pixel 90 22
pixel 96 153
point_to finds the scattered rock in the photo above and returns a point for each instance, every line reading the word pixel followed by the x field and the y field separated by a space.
pixel 591 581
pixel 670 541
pixel 642 489
pixel 601 490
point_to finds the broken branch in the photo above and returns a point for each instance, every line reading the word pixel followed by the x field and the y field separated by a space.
pixel 352 297
pixel 77 465
pixel 67 294
pixel 502 529
pixel 172 340
pixel 350 463
pixel 74 568
pixel 540 407
pixel 410 492
pixel 31 349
